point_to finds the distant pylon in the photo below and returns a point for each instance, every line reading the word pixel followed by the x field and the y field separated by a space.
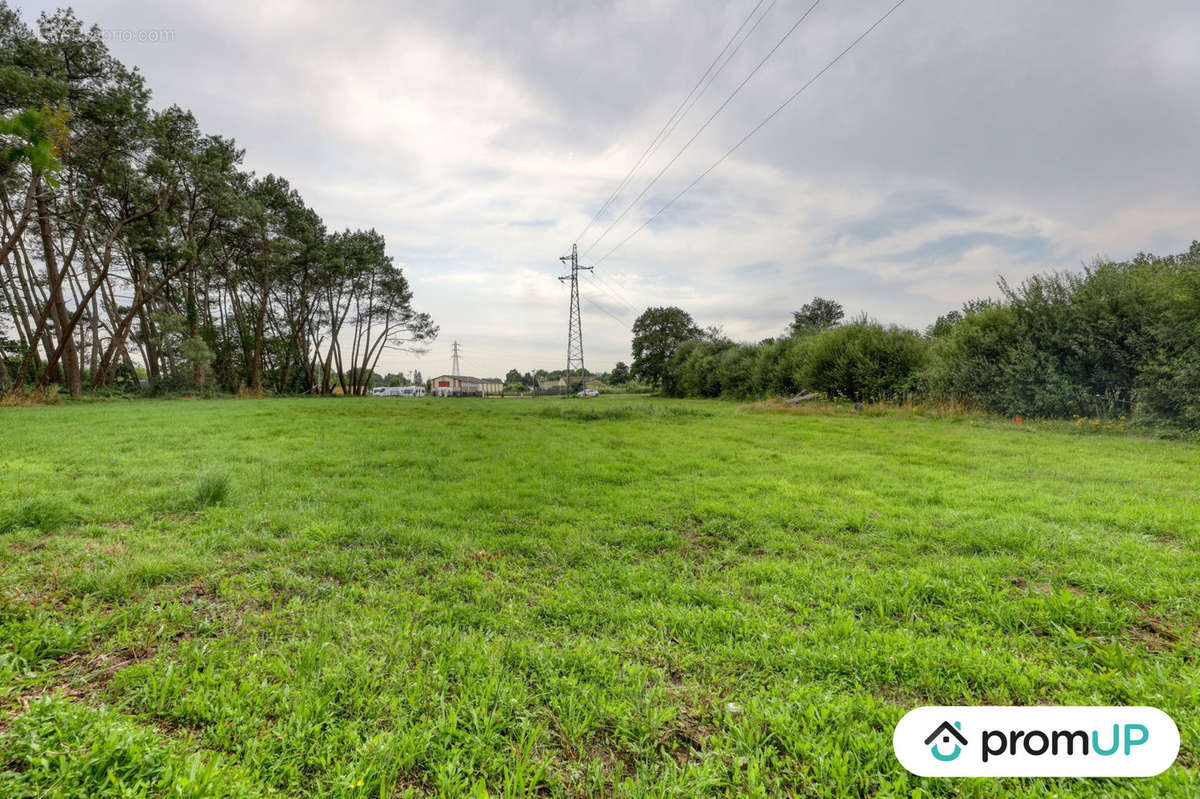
pixel 575 321
pixel 454 370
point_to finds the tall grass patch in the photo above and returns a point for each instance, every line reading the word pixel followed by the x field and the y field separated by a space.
pixel 44 514
pixel 212 489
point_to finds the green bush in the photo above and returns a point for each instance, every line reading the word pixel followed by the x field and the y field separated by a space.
pixel 967 364
pixel 864 361
pixel 1116 339
pixel 1168 381
pixel 779 367
pixel 710 369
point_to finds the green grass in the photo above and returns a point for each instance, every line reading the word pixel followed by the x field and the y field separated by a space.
pixel 620 596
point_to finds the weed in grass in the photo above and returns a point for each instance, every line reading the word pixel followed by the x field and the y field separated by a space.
pixel 44 514
pixel 213 489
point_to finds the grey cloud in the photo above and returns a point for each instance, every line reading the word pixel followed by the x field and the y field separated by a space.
pixel 960 141
pixel 1025 248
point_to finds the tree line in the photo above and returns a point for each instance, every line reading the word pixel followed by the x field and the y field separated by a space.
pixel 131 238
pixel 1117 338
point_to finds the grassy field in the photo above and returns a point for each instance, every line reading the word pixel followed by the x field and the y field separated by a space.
pixel 620 596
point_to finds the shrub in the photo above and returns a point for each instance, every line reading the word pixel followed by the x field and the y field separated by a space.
pixel 864 361
pixel 1168 381
pixel 1117 339
pixel 779 365
pixel 735 372
pixel 967 364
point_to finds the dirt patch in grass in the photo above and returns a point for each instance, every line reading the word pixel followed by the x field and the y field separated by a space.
pixel 696 542
pixel 901 697
pixel 1155 633
pixel 414 785
pixel 26 547
pixel 77 677
pixel 615 760
pixel 85 676
pixel 699 543
pixel 1021 584
pixel 483 556
pixel 685 738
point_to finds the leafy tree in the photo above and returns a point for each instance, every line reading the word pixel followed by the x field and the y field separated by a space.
pixel 657 333
pixel 620 374
pixel 131 234
pixel 513 377
pixel 97 134
pixel 820 314
pixel 944 324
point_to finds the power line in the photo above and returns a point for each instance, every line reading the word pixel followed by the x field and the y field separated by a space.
pixel 702 128
pixel 724 64
pixel 603 310
pixel 611 292
pixel 755 129
pixel 676 116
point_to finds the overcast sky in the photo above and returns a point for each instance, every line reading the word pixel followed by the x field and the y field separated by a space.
pixel 957 143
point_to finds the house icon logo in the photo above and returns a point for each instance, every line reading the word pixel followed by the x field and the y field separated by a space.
pixel 945 731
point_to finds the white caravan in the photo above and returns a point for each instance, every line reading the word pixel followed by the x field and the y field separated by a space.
pixel 398 391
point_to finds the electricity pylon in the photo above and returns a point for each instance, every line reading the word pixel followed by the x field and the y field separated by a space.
pixel 575 321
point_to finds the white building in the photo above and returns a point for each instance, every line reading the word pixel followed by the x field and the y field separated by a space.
pixel 463 386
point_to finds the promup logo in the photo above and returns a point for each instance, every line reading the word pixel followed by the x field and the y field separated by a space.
pixel 1036 741
pixel 946 731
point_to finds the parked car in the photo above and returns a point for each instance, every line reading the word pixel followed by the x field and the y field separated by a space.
pixel 588 392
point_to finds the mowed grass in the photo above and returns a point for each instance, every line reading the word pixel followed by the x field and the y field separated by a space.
pixel 630 597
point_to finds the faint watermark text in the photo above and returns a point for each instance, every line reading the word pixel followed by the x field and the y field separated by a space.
pixel 137 35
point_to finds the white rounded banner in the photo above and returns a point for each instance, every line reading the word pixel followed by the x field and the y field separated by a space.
pixel 1036 741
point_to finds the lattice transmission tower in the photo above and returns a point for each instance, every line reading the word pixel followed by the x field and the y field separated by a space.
pixel 574 323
